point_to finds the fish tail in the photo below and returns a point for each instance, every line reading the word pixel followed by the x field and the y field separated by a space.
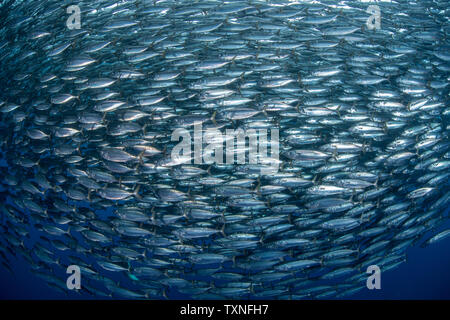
pixel 136 192
pixel 213 118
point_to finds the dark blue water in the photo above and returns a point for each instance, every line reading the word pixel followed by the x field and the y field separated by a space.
pixel 425 275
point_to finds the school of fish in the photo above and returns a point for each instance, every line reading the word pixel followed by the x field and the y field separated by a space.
pixel 87 115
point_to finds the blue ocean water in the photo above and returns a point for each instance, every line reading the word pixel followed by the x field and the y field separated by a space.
pixel 425 275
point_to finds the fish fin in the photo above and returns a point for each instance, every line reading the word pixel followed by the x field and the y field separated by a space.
pixel 213 118
pixel 265 112
pixel 314 180
pixel 364 146
pixel 335 155
pixel 185 214
pixel 261 239
pixel 222 230
pixel 258 187
pixel 140 157
pixel 136 192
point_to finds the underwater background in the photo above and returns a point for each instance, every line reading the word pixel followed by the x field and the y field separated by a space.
pixel 87 178
pixel 425 275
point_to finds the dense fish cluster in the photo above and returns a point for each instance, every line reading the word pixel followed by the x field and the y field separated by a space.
pixel 87 116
